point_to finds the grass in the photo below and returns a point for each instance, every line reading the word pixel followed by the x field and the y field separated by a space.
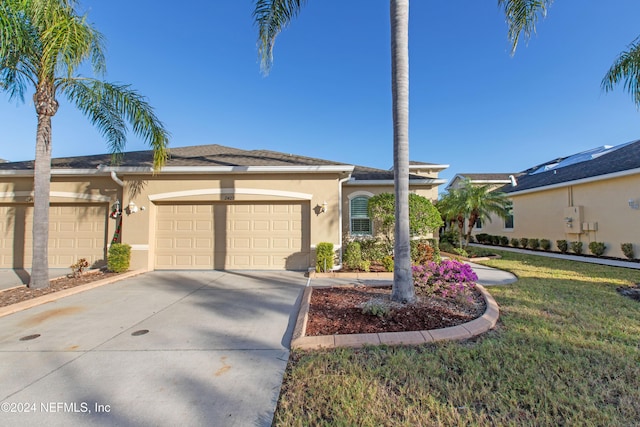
pixel 566 351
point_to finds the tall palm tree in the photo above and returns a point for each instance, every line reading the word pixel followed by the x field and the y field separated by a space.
pixel 271 17
pixel 42 45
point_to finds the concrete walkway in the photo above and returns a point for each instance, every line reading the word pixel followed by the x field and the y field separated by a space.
pixel 601 261
pixel 162 348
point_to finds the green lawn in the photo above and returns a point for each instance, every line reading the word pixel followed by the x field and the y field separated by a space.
pixel 566 351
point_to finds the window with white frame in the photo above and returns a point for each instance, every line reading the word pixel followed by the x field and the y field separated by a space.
pixel 359 216
pixel 508 220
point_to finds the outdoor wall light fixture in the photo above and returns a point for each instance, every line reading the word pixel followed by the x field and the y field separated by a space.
pixel 323 208
pixel 633 204
pixel 132 208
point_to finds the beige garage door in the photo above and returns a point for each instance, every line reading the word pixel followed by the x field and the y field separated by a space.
pixel 75 231
pixel 269 236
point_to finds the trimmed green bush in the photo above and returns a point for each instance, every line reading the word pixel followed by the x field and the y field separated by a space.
pixel 515 242
pixel 627 250
pixel 545 244
pixel 504 241
pixel 483 238
pixel 387 263
pixel 495 240
pixel 524 242
pixel 324 256
pixel 372 249
pixel 597 248
pixel 119 257
pixel 576 247
pixel 563 246
pixel 353 255
pixel 534 243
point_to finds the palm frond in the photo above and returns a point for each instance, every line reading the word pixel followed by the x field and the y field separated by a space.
pixel 271 17
pixel 626 68
pixel 522 17
pixel 110 107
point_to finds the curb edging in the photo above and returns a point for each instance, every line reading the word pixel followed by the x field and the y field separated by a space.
pixel 465 331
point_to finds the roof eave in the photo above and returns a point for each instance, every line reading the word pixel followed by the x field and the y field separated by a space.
pixel 587 180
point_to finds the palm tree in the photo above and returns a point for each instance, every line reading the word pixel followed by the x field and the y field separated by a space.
pixel 42 45
pixel 271 17
pixel 472 202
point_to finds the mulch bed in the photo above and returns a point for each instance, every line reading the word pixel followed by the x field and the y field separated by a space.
pixel 338 310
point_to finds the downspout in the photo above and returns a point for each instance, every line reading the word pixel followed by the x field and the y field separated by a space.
pixel 115 179
pixel 340 182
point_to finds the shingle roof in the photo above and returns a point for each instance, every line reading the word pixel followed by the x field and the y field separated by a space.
pixel 204 155
pixel 624 158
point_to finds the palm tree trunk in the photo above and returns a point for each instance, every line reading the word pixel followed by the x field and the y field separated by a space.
pixel 46 107
pixel 403 290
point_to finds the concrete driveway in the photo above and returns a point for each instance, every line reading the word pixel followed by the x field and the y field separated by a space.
pixel 216 349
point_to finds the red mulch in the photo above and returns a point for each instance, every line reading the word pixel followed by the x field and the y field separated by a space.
pixel 338 310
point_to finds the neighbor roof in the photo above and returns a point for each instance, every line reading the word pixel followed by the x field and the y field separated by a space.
pixel 482 178
pixel 592 164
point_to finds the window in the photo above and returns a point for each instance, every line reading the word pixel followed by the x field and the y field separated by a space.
pixel 508 220
pixel 478 223
pixel 360 221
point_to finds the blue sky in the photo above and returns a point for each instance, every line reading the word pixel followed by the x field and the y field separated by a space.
pixel 472 105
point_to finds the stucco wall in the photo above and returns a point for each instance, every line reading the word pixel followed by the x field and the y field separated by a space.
pixel 604 205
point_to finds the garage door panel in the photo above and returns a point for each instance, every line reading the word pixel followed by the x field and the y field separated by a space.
pixel 75 231
pixel 232 236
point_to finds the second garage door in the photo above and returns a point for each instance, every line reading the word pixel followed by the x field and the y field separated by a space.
pixel 232 236
pixel 75 231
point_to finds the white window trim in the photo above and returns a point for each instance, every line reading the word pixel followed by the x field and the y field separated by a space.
pixel 352 196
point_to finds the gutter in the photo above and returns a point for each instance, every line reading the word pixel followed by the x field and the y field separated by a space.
pixel 340 209
pixel 428 181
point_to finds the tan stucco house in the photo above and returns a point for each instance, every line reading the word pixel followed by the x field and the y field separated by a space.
pixel 210 207
pixel 589 196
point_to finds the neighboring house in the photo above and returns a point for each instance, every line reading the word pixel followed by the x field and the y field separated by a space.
pixel 589 196
pixel 493 180
pixel 210 207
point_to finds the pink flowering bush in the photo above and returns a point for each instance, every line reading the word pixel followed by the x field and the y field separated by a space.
pixel 449 278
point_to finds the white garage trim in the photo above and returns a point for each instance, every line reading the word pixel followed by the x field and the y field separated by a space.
pixel 214 191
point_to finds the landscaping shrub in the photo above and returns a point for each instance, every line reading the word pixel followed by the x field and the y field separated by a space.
pixel 422 253
pixel 627 250
pixel 483 238
pixel 451 237
pixel 576 247
pixel 447 247
pixel 387 263
pixel 534 243
pixel 504 241
pixel 563 246
pixel 461 252
pixel 545 244
pixel 495 240
pixel 78 268
pixel 515 242
pixel 324 256
pixel 119 257
pixel 524 242
pixel 353 255
pixel 450 278
pixel 376 308
pixel 372 249
pixel 597 248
